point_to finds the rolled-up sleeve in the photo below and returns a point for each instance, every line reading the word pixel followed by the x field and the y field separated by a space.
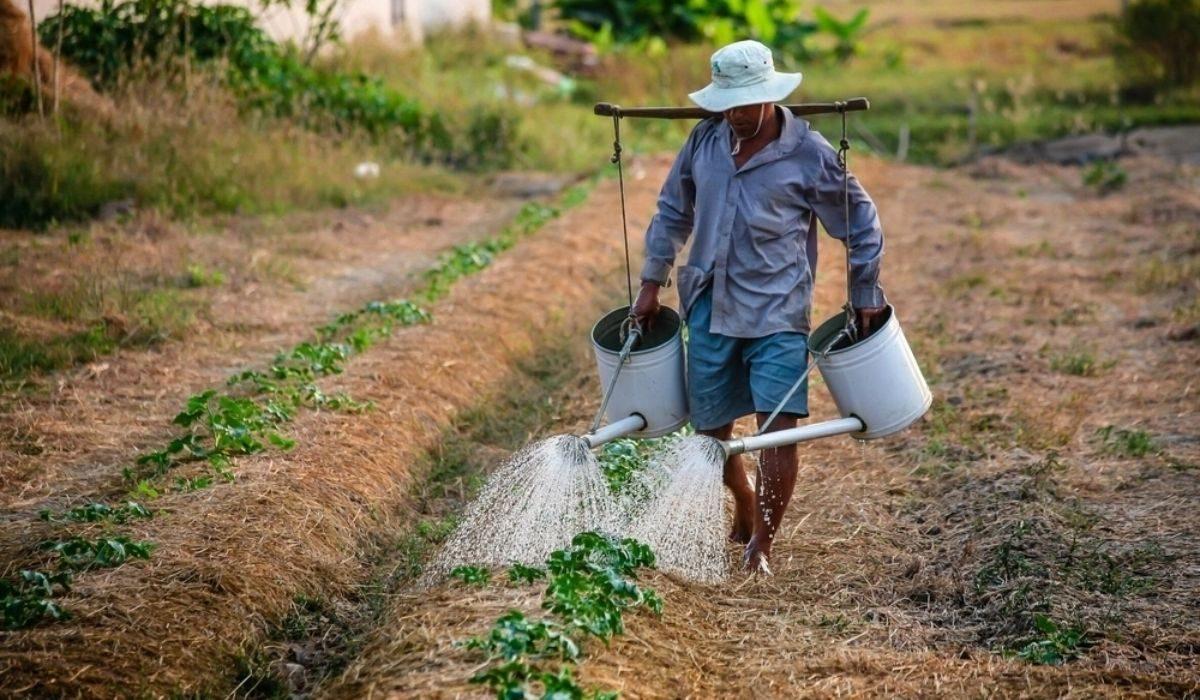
pixel 865 230
pixel 672 224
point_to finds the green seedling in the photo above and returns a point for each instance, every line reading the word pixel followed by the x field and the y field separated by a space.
pixel 185 484
pixel 82 554
pixel 1055 645
pixel 98 512
pixel 471 575
pixel 591 583
pixel 520 573
pixel 26 601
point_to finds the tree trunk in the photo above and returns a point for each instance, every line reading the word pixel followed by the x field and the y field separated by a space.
pixel 37 71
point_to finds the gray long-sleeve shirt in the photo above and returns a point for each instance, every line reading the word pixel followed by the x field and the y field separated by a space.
pixel 755 233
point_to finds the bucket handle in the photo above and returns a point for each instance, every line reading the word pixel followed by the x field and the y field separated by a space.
pixel 633 333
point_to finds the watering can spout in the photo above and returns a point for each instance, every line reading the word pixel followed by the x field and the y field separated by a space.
pixel 782 438
pixel 612 431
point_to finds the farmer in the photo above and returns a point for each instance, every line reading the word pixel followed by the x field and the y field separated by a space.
pixel 749 188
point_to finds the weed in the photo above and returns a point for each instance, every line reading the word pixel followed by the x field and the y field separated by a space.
pixel 1008 561
pixel 1120 574
pixel 1104 176
pixel 1126 442
pixel 1079 363
pixel 200 276
pixel 471 575
pixel 1054 645
pixel 1168 273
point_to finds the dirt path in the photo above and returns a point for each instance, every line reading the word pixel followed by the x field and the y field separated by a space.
pixel 69 440
pixel 1054 479
pixel 231 559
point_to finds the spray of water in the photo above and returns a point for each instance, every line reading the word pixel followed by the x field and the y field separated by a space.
pixel 532 505
pixel 680 511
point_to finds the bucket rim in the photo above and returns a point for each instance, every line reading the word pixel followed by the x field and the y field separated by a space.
pixel 622 312
pixel 835 323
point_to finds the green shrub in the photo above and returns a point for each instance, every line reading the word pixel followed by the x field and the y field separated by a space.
pixel 775 22
pixel 1160 39
pixel 122 40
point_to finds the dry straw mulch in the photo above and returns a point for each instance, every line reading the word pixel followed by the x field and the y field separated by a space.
pixel 231 559
pixel 907 566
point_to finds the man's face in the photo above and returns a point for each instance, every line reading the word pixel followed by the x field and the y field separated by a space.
pixel 745 120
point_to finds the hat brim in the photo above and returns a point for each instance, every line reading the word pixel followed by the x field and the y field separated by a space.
pixel 774 89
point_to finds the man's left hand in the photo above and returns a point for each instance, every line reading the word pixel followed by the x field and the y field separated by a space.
pixel 869 320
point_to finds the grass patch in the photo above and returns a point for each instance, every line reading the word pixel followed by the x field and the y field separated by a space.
pixel 1167 274
pixel 1078 363
pixel 1126 442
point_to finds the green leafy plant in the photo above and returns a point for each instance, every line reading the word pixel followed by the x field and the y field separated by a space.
pixel 98 512
pixel 471 575
pixel 847 33
pixel 520 573
pixel 623 458
pixel 26 600
pixel 590 584
pixel 82 554
pixel 1054 645
pixel 608 22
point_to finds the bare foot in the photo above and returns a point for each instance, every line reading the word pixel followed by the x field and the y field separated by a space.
pixel 743 526
pixel 754 560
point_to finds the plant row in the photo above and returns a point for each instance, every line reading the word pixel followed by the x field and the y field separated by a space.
pixel 589 586
pixel 245 417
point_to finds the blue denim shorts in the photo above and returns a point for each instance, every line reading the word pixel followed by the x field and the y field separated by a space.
pixel 732 377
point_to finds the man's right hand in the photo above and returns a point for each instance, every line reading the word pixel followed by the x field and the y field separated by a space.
pixel 645 309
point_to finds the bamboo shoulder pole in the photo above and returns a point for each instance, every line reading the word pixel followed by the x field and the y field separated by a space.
pixel 605 109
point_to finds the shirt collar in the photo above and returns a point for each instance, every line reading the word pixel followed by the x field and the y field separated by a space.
pixel 791 134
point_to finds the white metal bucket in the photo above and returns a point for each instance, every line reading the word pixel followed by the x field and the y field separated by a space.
pixel 876 380
pixel 652 383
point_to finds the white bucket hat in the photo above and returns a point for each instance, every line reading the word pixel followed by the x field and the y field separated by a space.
pixel 743 73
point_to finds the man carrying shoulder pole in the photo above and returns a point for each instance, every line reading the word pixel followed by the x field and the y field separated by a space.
pixel 749 187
